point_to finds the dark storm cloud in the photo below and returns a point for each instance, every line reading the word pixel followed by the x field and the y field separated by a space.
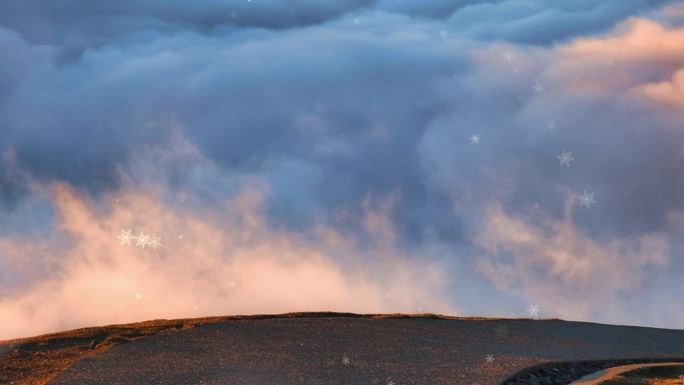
pixel 330 109
pixel 543 22
pixel 345 108
pixel 75 24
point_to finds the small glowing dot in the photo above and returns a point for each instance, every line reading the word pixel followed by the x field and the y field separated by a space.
pixel 138 297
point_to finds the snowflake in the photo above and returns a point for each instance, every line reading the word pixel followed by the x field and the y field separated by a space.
pixel 586 199
pixel 489 358
pixel 475 138
pixel 508 55
pixel 551 125
pixel 155 242
pixel 143 240
pixel 357 21
pixel 126 237
pixel 565 158
pixel 538 88
pixel 346 361
pixel 503 271
pixel 533 310
pixel 443 34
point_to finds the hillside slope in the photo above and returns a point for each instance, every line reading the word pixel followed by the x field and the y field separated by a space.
pixel 322 348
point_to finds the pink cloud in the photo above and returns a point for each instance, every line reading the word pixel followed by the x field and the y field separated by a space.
pixel 566 271
pixel 220 261
pixel 669 92
pixel 625 61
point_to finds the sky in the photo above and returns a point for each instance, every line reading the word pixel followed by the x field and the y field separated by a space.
pixel 174 159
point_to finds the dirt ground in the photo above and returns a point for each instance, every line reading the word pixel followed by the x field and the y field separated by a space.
pixel 321 348
pixel 669 375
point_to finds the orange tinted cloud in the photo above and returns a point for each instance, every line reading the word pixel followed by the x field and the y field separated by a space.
pixel 629 59
pixel 221 261
pixel 668 92
pixel 566 271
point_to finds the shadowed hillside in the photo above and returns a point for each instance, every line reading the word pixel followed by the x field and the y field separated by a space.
pixel 322 348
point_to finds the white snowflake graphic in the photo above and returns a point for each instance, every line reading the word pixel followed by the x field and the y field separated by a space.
pixel 346 361
pixel 509 55
pixel 489 358
pixel 503 271
pixel 443 34
pixel 565 158
pixel 475 138
pixel 551 125
pixel 155 242
pixel 126 237
pixel 538 88
pixel 533 310
pixel 143 240
pixel 586 199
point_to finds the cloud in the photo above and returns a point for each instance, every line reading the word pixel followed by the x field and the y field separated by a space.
pixel 542 22
pixel 219 260
pixel 354 118
pixel 669 92
pixel 563 269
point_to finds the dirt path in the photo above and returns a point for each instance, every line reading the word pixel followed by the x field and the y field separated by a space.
pixel 612 373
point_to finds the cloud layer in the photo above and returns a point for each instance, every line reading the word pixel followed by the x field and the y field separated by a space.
pixel 316 156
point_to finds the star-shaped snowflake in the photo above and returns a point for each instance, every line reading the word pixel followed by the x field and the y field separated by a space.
pixel 503 270
pixel 565 158
pixel 155 242
pixel 538 88
pixel 475 138
pixel 533 310
pixel 489 358
pixel 126 237
pixel 346 361
pixel 143 240
pixel 586 199
pixel 508 55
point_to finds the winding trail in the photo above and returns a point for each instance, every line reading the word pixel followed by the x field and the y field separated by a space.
pixel 611 373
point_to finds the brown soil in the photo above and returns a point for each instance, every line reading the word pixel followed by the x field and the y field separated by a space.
pixel 37 360
pixel 667 375
pixel 322 348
